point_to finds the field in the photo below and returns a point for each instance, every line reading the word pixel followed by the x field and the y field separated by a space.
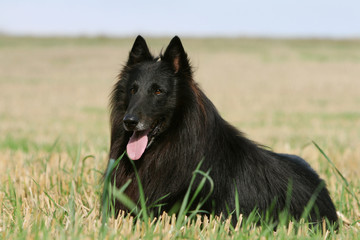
pixel 55 130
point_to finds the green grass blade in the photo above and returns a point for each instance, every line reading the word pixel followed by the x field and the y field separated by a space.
pixel 144 211
pixel 347 185
pixel 184 204
pixel 105 195
pixel 123 198
pixel 207 177
pixel 332 164
pixel 237 205
pixel 309 206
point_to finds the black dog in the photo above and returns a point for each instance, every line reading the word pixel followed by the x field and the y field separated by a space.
pixel 168 126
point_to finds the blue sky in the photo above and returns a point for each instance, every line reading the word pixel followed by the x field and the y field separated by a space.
pixel 273 18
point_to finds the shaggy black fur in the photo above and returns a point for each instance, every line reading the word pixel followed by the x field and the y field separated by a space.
pixel 159 96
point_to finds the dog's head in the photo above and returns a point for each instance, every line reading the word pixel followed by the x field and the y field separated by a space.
pixel 146 95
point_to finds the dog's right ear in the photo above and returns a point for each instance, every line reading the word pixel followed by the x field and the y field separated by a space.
pixel 139 52
pixel 176 55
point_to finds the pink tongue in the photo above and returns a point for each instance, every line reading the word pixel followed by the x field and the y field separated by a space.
pixel 137 145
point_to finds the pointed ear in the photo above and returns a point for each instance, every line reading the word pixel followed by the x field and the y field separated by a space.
pixel 139 52
pixel 176 55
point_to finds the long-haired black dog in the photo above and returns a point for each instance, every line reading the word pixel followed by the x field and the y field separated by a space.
pixel 168 126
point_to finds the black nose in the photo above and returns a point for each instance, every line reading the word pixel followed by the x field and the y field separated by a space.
pixel 130 122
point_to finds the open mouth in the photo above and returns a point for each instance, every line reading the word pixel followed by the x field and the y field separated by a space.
pixel 154 132
pixel 142 140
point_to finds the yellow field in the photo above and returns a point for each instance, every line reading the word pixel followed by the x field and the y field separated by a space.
pixel 53 113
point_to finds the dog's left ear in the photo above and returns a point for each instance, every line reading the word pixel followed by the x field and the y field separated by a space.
pixel 139 52
pixel 176 55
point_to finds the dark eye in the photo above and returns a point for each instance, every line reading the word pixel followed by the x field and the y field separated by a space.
pixel 158 92
pixel 132 91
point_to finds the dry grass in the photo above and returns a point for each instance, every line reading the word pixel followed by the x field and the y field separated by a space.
pixel 53 113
